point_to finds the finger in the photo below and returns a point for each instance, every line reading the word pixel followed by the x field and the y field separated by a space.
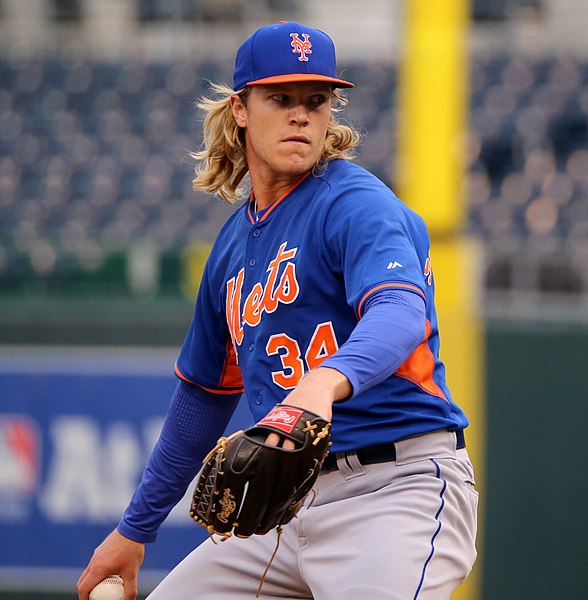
pixel 273 439
pixel 130 586
pixel 82 595
pixel 82 576
pixel 86 584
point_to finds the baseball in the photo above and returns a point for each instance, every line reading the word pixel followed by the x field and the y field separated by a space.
pixel 111 588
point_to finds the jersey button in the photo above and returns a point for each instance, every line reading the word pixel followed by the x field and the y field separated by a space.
pixel 252 262
pixel 256 232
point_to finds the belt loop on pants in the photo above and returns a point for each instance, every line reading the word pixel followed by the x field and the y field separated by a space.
pixel 378 453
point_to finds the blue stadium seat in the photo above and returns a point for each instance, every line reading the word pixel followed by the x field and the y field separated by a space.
pixel 99 149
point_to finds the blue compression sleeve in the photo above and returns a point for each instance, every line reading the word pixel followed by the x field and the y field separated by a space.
pixel 194 422
pixel 393 325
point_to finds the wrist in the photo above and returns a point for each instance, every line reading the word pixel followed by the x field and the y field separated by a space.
pixel 334 382
pixel 318 389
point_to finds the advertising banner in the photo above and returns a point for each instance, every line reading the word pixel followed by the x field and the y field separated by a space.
pixel 76 428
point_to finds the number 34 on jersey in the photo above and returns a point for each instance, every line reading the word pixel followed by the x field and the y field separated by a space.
pixel 265 299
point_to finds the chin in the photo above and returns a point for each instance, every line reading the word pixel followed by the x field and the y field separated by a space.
pixel 298 170
pixel 299 166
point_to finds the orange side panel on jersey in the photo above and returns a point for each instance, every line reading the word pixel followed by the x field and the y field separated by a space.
pixel 419 367
pixel 231 375
pixel 223 392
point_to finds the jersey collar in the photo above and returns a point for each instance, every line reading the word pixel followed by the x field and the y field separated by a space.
pixel 264 214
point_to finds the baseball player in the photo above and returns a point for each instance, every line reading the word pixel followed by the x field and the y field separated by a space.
pixel 318 294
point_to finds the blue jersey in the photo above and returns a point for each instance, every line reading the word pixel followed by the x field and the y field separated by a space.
pixel 282 292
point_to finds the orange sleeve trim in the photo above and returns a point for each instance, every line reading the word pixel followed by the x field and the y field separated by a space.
pixel 406 286
pixel 212 391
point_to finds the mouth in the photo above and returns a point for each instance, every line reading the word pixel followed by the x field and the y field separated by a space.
pixel 301 139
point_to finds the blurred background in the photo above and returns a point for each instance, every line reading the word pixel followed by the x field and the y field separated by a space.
pixel 102 243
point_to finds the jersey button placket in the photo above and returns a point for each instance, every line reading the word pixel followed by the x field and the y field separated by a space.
pixel 251 278
pixel 252 261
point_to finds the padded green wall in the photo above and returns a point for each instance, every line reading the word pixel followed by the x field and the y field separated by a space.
pixel 536 544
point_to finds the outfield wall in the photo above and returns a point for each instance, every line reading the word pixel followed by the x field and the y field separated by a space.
pixel 537 441
pixel 76 425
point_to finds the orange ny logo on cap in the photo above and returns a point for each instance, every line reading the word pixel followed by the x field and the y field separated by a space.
pixel 302 47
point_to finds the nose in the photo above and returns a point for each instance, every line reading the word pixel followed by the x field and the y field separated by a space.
pixel 299 114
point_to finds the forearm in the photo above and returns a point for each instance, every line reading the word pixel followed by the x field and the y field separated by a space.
pixel 391 328
pixel 193 423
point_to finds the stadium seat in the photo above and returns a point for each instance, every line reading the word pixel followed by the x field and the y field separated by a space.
pixel 99 151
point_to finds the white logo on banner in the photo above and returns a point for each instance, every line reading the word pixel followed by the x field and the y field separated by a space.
pixel 93 474
pixel 91 469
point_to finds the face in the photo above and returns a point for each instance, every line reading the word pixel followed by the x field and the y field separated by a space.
pixel 285 127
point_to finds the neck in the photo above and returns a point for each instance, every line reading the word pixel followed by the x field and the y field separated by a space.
pixel 268 192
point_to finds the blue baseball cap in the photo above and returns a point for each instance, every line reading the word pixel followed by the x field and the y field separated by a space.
pixel 286 52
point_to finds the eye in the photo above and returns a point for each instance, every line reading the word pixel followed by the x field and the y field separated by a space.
pixel 317 100
pixel 280 98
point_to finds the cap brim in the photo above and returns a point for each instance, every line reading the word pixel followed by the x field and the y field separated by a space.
pixel 297 77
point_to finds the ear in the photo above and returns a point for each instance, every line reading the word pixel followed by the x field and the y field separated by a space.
pixel 239 110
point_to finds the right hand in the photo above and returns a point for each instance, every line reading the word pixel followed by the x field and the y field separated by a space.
pixel 315 392
pixel 116 555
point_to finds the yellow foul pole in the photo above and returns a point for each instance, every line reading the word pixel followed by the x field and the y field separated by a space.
pixel 429 177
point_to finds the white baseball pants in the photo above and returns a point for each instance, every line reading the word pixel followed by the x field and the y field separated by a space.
pixel 401 530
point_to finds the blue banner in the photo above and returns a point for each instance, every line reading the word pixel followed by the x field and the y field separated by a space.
pixel 76 428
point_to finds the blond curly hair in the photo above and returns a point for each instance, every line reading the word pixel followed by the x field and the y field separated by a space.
pixel 222 164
